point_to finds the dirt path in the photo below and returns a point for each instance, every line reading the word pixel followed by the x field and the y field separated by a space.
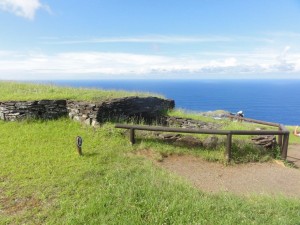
pixel 245 179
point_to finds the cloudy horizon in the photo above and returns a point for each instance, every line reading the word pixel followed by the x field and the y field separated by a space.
pixel 38 42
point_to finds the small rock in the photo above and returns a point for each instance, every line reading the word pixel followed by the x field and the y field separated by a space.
pixel 169 137
pixel 95 123
pixel 188 141
pixel 88 121
pixel 77 118
pixel 211 142
pixel 267 141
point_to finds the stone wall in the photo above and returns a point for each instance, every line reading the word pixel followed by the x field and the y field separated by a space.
pixel 119 109
pixel 44 109
pixel 84 112
pixel 146 109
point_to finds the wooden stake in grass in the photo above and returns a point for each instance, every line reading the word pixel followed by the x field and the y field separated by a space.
pixel 79 144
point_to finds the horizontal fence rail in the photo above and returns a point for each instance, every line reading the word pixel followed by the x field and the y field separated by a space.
pixel 202 131
pixel 171 129
pixel 254 121
pixel 282 132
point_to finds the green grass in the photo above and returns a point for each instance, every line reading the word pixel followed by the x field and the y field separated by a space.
pixel 293 139
pixel 26 91
pixel 192 115
pixel 44 181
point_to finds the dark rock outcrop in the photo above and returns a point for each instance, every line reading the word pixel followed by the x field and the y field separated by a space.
pixel 147 109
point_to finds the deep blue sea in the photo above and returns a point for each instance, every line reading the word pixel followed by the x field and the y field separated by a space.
pixel 269 100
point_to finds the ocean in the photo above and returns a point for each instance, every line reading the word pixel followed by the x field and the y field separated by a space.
pixel 270 100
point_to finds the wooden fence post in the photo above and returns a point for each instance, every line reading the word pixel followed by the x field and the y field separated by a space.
pixel 132 139
pixel 284 147
pixel 228 147
pixel 280 137
pixel 79 145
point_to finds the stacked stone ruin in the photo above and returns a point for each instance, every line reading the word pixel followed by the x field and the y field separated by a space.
pixel 147 109
pixel 84 112
pixel 44 109
pixel 267 141
pixel 128 108
pixel 188 123
pixel 136 109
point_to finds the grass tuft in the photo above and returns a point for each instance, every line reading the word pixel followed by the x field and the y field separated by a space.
pixel 28 91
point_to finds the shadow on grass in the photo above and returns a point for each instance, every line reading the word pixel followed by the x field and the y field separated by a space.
pixel 167 148
pixel 90 154
pixel 242 151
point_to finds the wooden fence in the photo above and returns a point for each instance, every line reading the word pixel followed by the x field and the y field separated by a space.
pixel 282 133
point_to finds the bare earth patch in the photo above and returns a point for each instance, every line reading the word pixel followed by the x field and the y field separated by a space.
pixel 14 206
pixel 243 179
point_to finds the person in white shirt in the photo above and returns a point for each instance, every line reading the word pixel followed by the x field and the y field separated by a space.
pixel 296 133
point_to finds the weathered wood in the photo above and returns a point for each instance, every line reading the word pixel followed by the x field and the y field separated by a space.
pixel 170 129
pixel 254 121
pixel 282 131
pixel 79 145
pixel 132 138
pixel 279 141
pixel 257 132
pixel 284 148
pixel 200 131
pixel 228 147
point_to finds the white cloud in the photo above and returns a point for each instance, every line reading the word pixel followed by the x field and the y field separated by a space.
pixel 81 65
pixel 6 54
pixel 23 8
pixel 283 61
pixel 159 39
pixel 285 34
pixel 162 39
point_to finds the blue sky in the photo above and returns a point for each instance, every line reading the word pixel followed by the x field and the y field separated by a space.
pixel 114 39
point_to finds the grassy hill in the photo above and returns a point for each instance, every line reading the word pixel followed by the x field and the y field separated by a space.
pixel 44 181
pixel 28 91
